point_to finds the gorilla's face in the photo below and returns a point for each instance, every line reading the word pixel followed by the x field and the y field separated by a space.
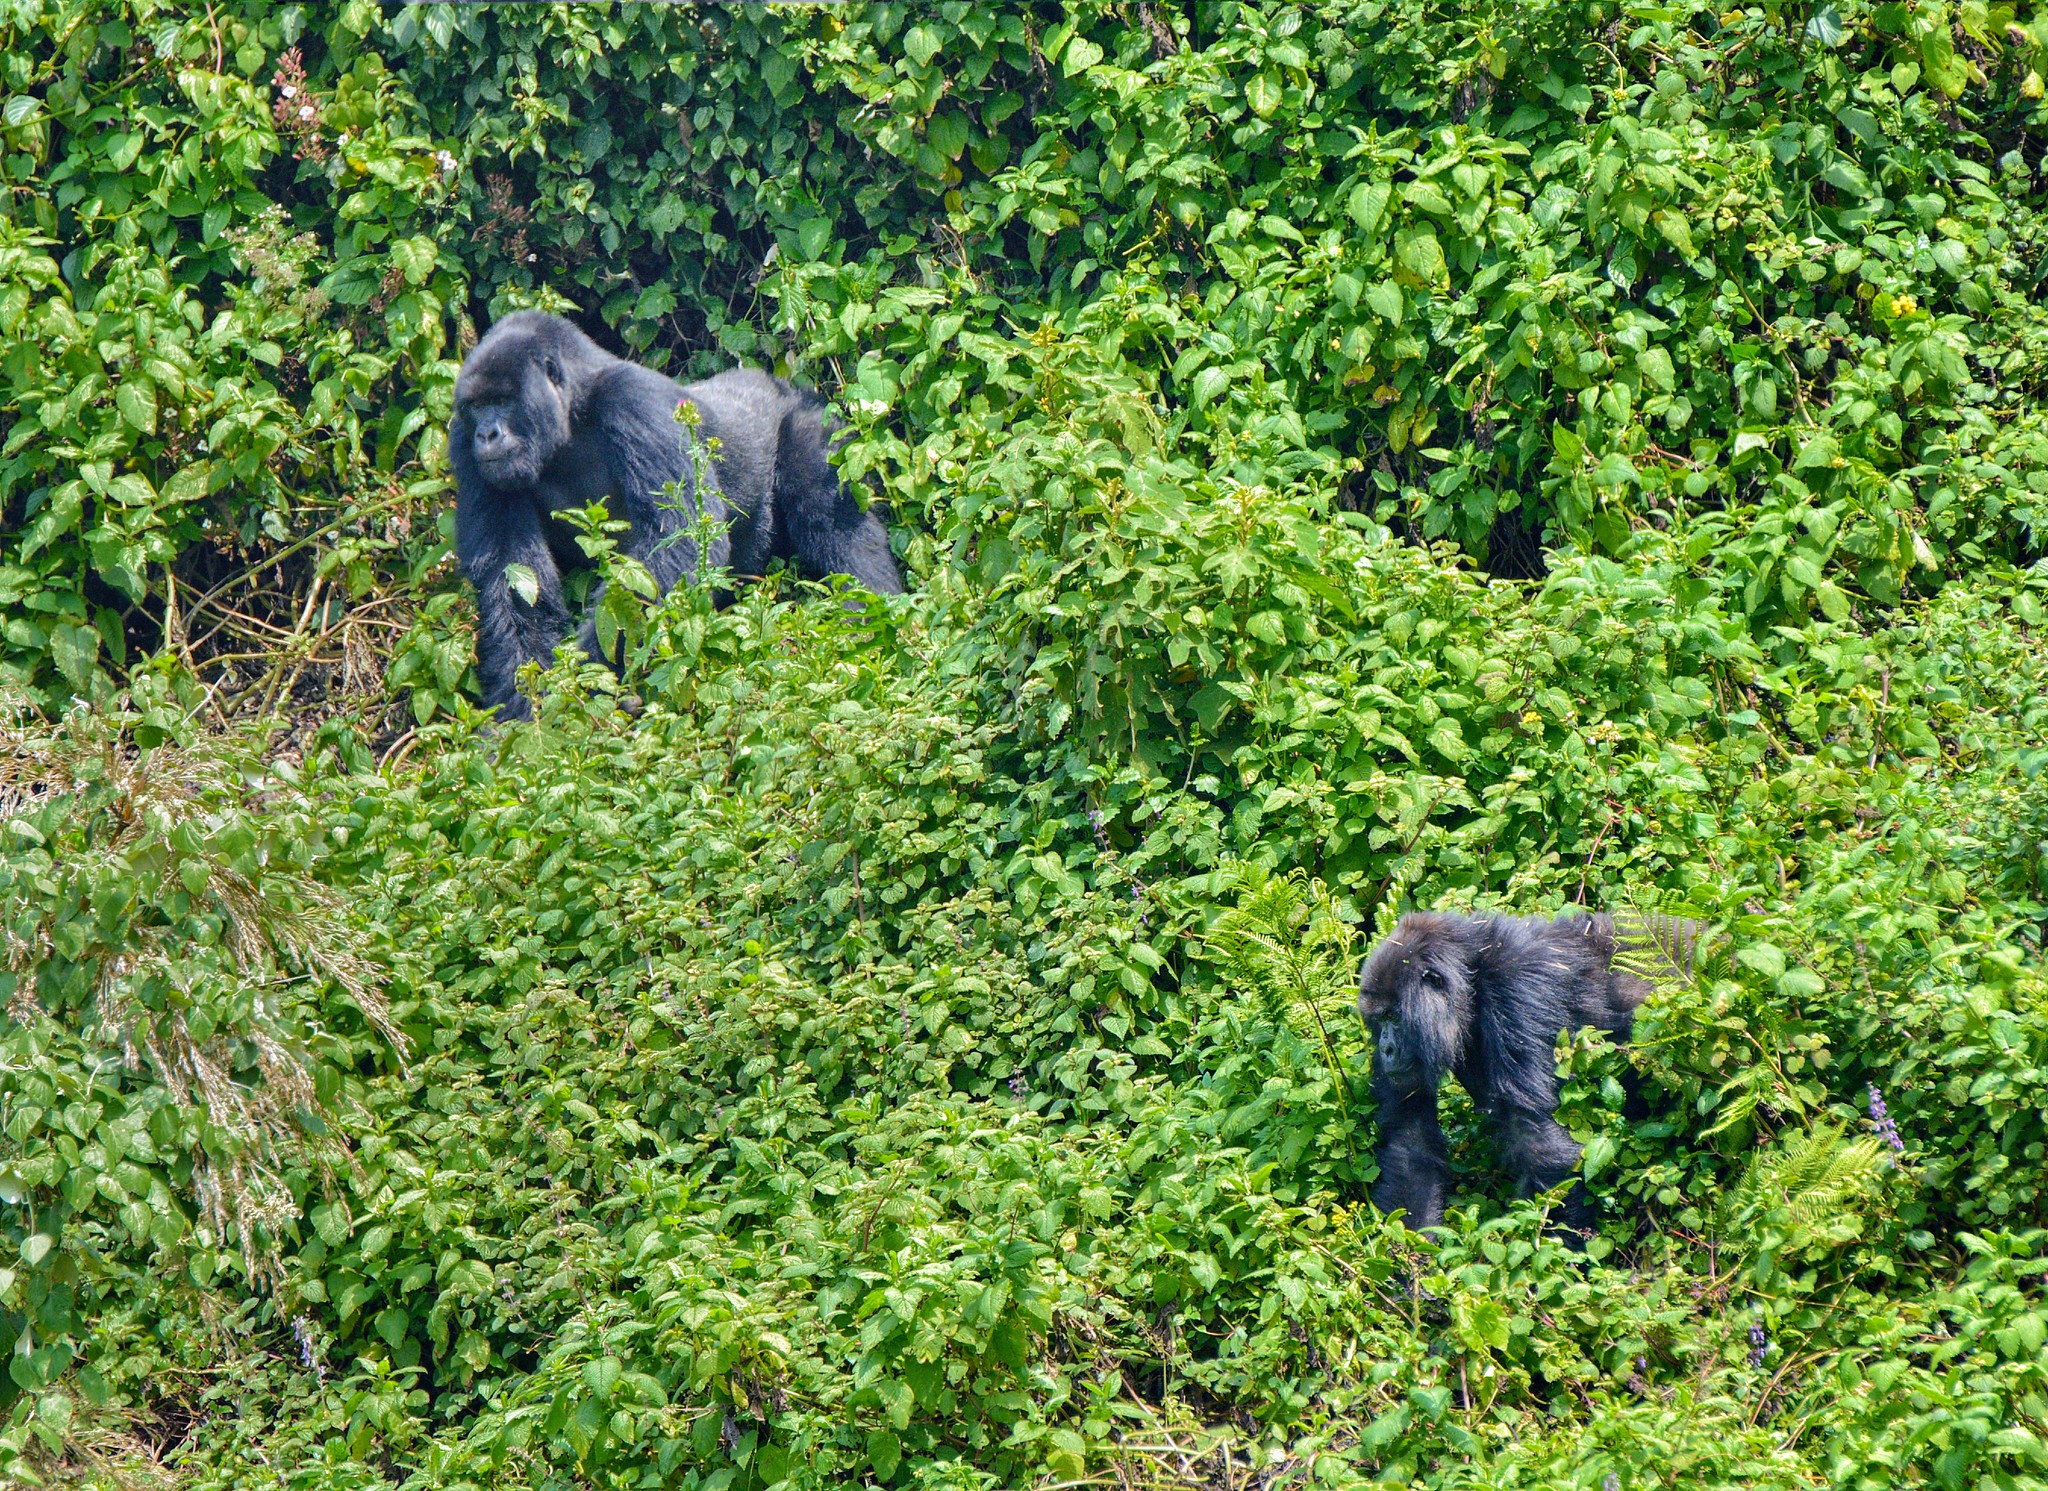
pixel 1416 991
pixel 513 397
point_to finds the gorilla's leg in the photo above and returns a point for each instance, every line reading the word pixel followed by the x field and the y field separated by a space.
pixel 1415 1166
pixel 1539 1153
pixel 818 522
pixel 493 533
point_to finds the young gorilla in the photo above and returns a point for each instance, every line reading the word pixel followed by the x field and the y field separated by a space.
pixel 545 420
pixel 1485 998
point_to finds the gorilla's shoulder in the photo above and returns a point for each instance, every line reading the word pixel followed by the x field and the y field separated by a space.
pixel 625 391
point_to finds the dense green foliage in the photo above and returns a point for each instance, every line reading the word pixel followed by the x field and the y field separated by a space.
pixel 913 1044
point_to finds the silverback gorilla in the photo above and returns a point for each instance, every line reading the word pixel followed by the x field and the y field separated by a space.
pixel 1485 998
pixel 545 419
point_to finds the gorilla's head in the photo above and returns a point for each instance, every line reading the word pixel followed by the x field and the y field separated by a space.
pixel 1416 991
pixel 516 393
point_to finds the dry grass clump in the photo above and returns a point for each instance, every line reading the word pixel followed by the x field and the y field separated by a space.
pixel 163 825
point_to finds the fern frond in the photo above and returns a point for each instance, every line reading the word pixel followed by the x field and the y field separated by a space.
pixel 1816 1184
pixel 1658 946
pixel 1286 948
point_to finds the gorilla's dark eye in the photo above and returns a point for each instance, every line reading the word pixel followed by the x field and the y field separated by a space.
pixel 552 367
pixel 1432 978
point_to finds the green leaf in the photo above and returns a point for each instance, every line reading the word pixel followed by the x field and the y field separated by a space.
pixel 1385 300
pixel 947 133
pixel 55 1410
pixel 898 1399
pixel 1766 958
pixel 1800 983
pixel 635 577
pixel 1677 232
pixel 921 44
pixel 1614 470
pixel 1368 204
pixel 602 1376
pixel 1427 196
pixel 1384 1430
pixel 1818 452
pixel 1861 123
pixel 1848 177
pixel 1944 69
pixel 331 1224
pixel 1209 386
pixel 885 1453
pixel 1080 55
pixel 811 237
pixel 469 1279
pixel 1654 363
pixel 523 582
pixel 1825 26
pixel 137 402
pixel 1263 92
pixel 1483 1323
pixel 414 258
pixel 75 650
pixel 1420 253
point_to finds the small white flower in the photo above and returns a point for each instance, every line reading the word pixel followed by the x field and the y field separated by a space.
pixel 533 258
pixel 288 91
pixel 447 162
pixel 305 111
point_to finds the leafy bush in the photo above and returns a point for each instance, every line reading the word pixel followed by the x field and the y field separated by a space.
pixel 910 1041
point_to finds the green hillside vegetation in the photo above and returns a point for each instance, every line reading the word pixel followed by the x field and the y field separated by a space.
pixel 911 1043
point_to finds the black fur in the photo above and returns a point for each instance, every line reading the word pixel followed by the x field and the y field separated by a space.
pixel 545 419
pixel 1484 998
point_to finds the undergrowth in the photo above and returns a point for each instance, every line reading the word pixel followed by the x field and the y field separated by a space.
pixel 910 1042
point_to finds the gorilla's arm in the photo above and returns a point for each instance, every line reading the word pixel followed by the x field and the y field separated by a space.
pixel 632 410
pixel 1415 1165
pixel 492 531
pixel 822 527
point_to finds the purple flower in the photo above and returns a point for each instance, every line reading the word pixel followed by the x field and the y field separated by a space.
pixel 1881 1117
pixel 1610 1482
pixel 1017 1087
pixel 303 1329
pixel 1759 1343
